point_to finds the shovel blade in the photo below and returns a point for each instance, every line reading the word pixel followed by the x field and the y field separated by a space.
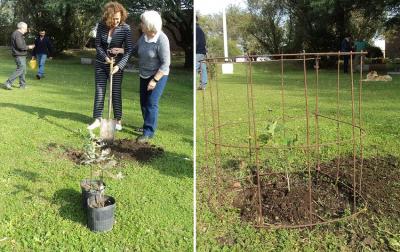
pixel 107 129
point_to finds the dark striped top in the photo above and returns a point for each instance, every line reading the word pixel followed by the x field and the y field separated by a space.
pixel 121 38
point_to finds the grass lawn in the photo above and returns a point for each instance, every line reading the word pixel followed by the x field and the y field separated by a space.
pixel 41 198
pixel 222 229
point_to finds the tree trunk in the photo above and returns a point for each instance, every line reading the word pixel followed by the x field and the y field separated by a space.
pixel 188 57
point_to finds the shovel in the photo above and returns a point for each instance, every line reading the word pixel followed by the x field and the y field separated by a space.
pixel 107 126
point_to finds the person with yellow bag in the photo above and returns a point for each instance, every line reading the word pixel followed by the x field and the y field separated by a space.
pixel 43 49
pixel 33 64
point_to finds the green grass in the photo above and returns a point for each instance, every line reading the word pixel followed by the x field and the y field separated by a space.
pixel 40 197
pixel 380 105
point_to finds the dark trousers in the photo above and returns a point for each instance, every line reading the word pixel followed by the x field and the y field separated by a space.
pixel 149 104
pixel 102 73
pixel 346 63
pixel 20 61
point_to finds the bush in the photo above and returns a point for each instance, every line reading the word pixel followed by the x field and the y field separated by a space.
pixel 376 54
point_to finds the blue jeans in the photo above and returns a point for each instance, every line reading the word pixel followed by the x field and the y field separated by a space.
pixel 202 68
pixel 41 58
pixel 149 104
pixel 20 61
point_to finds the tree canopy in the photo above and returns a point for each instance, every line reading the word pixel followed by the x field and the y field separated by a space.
pixel 70 22
pixel 273 26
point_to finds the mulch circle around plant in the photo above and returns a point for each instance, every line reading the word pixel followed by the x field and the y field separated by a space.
pixel 380 188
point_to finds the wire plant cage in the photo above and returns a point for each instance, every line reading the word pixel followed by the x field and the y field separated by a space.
pixel 285 136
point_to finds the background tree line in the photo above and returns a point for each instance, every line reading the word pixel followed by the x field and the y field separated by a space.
pixel 70 22
pixel 274 26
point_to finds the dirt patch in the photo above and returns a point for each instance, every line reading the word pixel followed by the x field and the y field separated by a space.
pixel 130 149
pixel 121 149
pixel 380 182
pixel 74 156
pixel 291 207
pixel 380 188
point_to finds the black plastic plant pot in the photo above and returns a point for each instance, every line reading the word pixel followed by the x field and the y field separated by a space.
pixel 86 185
pixel 100 219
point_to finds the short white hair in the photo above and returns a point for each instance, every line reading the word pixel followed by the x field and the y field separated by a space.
pixel 151 20
pixel 22 25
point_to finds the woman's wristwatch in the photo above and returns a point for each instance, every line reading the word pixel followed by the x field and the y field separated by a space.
pixel 154 79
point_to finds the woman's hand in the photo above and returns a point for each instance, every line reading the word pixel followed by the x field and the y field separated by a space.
pixel 117 50
pixel 108 61
pixel 115 69
pixel 152 85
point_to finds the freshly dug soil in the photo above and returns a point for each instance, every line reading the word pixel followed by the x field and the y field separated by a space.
pixel 74 155
pixel 380 188
pixel 130 149
pixel 122 149
pixel 281 206
pixel 380 182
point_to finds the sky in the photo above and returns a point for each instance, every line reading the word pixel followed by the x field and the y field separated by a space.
pixel 206 7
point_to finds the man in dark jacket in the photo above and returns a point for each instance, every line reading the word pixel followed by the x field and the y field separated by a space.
pixel 43 49
pixel 346 47
pixel 19 50
pixel 201 52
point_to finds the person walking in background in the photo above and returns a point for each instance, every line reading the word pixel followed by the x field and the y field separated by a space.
pixel 153 51
pixel 359 45
pixel 201 51
pixel 19 51
pixel 113 39
pixel 42 50
pixel 346 47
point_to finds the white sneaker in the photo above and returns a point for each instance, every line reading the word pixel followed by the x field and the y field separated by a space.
pixel 94 125
pixel 118 126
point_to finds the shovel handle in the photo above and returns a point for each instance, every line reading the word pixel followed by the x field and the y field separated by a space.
pixel 111 84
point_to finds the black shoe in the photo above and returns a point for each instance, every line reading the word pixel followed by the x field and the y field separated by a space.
pixel 38 76
pixel 142 139
pixel 22 87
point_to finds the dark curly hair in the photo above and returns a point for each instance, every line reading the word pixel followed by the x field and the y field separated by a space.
pixel 110 9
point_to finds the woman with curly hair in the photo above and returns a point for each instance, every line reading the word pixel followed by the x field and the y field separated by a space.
pixel 113 39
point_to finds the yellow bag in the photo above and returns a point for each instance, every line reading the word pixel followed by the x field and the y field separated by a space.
pixel 33 64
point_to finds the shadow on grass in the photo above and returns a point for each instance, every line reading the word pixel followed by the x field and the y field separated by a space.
pixel 32 176
pixel 70 202
pixel 30 195
pixel 172 164
pixel 187 140
pixel 42 113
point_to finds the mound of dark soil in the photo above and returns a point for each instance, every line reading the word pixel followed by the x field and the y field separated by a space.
pixel 380 188
pixel 380 182
pixel 130 149
pixel 122 149
pixel 283 206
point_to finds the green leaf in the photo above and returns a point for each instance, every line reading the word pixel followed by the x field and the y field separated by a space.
pixel 271 128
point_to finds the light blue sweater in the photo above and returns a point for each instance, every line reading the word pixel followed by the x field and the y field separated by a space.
pixel 153 56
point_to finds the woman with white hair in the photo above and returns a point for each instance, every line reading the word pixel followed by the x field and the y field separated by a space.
pixel 153 51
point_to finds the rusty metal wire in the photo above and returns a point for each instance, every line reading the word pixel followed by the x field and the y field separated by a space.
pixel 213 134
